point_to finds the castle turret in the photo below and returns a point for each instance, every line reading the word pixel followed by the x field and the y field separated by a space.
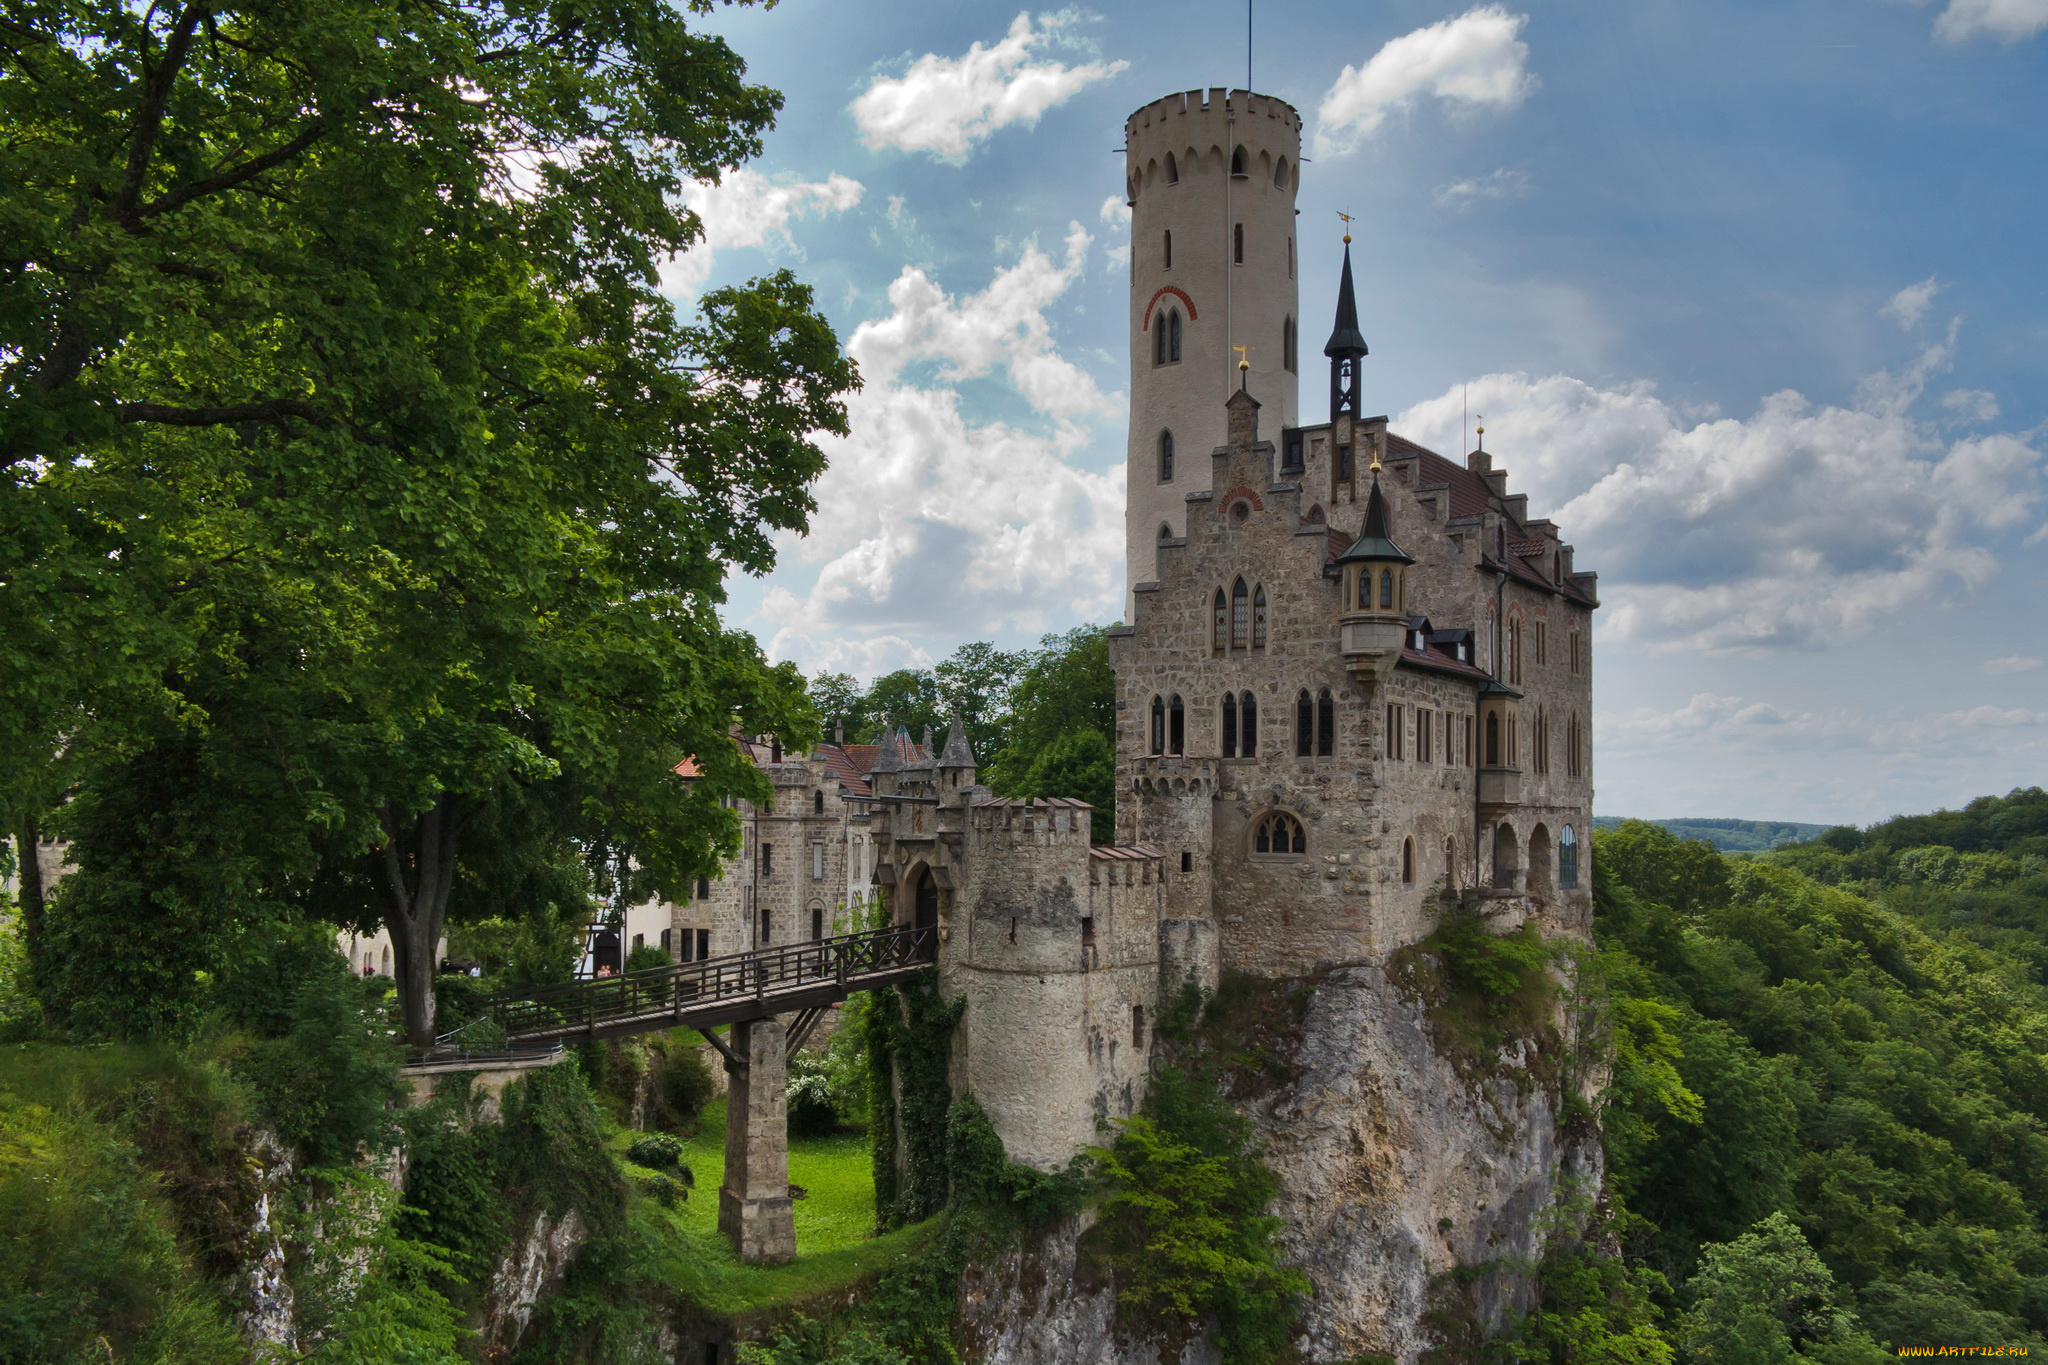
pixel 1374 615
pixel 1211 178
pixel 1345 348
pixel 956 761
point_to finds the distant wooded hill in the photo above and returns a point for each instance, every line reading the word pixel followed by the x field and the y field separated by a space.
pixel 1730 836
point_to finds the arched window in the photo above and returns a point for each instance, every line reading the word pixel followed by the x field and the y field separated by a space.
pixel 817 803
pixel 1159 342
pixel 1539 759
pixel 1248 722
pixel 1222 622
pixel 1259 619
pixel 1280 174
pixel 1515 651
pixel 1326 724
pixel 1567 858
pixel 1493 739
pixel 1538 880
pixel 1176 726
pixel 1276 833
pixel 1158 725
pixel 1304 725
pixel 1237 162
pixel 1386 589
pixel 1230 725
pixel 1169 249
pixel 1172 170
pixel 817 922
pixel 1237 244
pixel 1240 616
pixel 1408 861
pixel 1287 359
pixel 1166 457
pixel 1506 858
pixel 1574 748
pixel 1173 336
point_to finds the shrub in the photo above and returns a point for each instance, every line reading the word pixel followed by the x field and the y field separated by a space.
pixel 812 1111
pixel 681 1083
pixel 647 957
pixel 657 1153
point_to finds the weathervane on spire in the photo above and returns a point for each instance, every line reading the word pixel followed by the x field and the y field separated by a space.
pixel 1481 420
pixel 1244 365
pixel 1348 221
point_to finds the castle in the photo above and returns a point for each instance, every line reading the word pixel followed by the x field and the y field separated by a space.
pixel 1354 673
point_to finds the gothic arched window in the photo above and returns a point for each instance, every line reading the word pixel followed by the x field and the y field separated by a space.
pixel 1408 861
pixel 1158 725
pixel 1567 858
pixel 1166 457
pixel 1248 726
pixel 1230 725
pixel 1278 834
pixel 1280 174
pixel 1259 619
pixel 1222 622
pixel 1176 726
pixel 1240 616
pixel 1172 170
pixel 1173 336
pixel 1386 589
pixel 1237 162
pixel 817 803
pixel 1326 724
pixel 1304 725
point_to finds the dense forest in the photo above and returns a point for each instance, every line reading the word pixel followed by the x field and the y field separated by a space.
pixel 1730 836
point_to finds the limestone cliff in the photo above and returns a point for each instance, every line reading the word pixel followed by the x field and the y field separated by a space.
pixel 1398 1166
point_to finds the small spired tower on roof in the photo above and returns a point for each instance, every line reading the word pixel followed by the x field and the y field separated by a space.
pixel 1345 348
pixel 1375 619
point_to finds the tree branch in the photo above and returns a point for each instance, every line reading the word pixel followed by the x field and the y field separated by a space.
pixel 149 119
pixel 233 176
pixel 272 410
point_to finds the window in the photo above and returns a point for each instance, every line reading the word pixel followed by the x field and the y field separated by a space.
pixel 1386 589
pixel 1187 861
pixel 689 942
pixel 1574 748
pixel 1290 456
pixel 1567 858
pixel 1326 724
pixel 817 922
pixel 1542 644
pixel 1506 862
pixel 1237 244
pixel 817 862
pixel 1408 861
pixel 1290 258
pixel 1176 726
pixel 1515 651
pixel 767 860
pixel 1248 723
pixel 703 888
pixel 1087 931
pixel 1578 653
pixel 767 924
pixel 1166 338
pixel 1169 249
pixel 1343 464
pixel 1278 833
pixel 703 944
pixel 1422 736
pixel 1230 725
pixel 667 936
pixel 1222 622
pixel 1280 174
pixel 1394 722
pixel 1287 358
pixel 1259 619
pixel 1467 727
pixel 1237 162
pixel 1304 725
pixel 1240 615
pixel 1540 759
pixel 817 803
pixel 1172 170
pixel 1166 457
pixel 1158 725
pixel 1493 739
pixel 1451 863
pixel 1137 1026
pixel 639 940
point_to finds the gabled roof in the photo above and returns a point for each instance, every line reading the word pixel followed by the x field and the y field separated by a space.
pixel 1373 541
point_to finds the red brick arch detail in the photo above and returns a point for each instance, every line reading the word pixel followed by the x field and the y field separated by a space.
pixel 1241 492
pixel 1178 293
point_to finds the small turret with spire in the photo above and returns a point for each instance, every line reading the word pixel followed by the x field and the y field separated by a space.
pixel 1346 346
pixel 1374 623
pixel 956 761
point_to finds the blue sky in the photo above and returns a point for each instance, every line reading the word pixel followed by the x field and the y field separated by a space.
pixel 1751 296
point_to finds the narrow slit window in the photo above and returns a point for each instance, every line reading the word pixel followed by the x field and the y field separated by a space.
pixel 1248 723
pixel 1240 616
pixel 1229 725
pixel 1259 619
pixel 1326 724
pixel 1237 244
pixel 1158 725
pixel 1304 725
pixel 1169 249
pixel 1176 726
pixel 1166 457
pixel 1222 622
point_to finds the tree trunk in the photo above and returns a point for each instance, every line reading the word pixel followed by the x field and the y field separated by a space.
pixel 28 840
pixel 419 869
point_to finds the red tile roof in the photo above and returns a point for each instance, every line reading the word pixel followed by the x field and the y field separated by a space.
pixel 1438 661
pixel 1469 493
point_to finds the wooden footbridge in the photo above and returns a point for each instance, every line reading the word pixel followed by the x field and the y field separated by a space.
pixel 804 979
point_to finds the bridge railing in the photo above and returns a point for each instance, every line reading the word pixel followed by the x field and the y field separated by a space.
pixel 678 989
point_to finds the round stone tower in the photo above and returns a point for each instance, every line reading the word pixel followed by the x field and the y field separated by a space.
pixel 1211 180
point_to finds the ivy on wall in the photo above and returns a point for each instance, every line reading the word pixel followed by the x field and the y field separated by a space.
pixel 910 1049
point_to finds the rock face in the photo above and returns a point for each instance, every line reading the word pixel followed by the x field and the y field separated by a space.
pixel 532 1268
pixel 1395 1167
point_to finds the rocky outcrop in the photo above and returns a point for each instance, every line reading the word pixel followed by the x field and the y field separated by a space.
pixel 1397 1165
pixel 531 1269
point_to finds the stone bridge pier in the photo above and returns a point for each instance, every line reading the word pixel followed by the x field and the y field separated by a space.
pixel 754 1209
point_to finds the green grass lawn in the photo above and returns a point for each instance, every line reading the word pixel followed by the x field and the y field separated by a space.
pixel 835 1240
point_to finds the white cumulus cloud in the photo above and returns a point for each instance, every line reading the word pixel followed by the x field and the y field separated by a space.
pixel 1796 526
pixel 937 524
pixel 945 105
pixel 2009 21
pixel 747 209
pixel 2012 663
pixel 1474 61
pixel 1910 304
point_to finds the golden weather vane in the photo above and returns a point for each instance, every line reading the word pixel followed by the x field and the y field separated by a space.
pixel 1244 364
pixel 1348 221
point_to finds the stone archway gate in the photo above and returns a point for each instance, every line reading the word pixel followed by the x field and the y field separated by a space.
pixel 751 991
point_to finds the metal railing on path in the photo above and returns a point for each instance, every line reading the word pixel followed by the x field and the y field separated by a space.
pixel 717 990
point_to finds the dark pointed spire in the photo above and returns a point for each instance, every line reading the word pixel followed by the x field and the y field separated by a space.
pixel 957 753
pixel 1345 338
pixel 1374 541
pixel 1346 346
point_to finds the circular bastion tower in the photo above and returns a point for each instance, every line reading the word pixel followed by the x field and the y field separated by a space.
pixel 1211 177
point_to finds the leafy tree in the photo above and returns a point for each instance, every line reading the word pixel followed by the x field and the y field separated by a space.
pixel 1686 875
pixel 1062 733
pixel 1765 1298
pixel 351 457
